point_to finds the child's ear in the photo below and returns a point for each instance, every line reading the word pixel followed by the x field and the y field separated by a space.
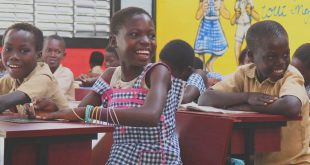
pixel 112 41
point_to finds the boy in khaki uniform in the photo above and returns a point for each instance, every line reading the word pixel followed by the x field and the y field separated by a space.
pixel 22 45
pixel 270 85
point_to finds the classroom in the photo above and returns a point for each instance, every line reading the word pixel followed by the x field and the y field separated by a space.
pixel 156 82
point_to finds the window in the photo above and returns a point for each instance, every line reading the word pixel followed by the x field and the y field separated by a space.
pixel 68 18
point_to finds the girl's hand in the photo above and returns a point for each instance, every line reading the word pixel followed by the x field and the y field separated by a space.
pixel 66 114
pixel 260 99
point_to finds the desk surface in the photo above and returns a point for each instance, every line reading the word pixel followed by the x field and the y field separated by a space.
pixel 246 117
pixel 14 130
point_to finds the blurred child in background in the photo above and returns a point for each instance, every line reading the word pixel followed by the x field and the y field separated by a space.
pixel 54 51
pixel 301 60
pixel 179 56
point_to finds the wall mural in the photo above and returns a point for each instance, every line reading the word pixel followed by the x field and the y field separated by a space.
pixel 216 28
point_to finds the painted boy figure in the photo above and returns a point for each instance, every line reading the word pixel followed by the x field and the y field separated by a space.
pixel 269 85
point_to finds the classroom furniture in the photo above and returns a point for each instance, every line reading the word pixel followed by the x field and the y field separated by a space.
pixel 203 139
pixel 101 151
pixel 252 132
pixel 48 143
pixel 81 92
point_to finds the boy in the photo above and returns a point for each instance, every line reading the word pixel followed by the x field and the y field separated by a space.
pixel 27 78
pixel 179 56
pixel 54 50
pixel 269 85
pixel 301 60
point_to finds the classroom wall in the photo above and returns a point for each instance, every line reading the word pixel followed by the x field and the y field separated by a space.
pixel 176 19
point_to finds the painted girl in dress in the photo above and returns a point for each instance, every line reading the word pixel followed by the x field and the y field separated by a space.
pixel 210 38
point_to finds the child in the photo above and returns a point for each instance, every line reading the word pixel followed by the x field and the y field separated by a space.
pixel 28 78
pixel 269 85
pixel 95 61
pixel 54 50
pixel 301 60
pixel 2 69
pixel 179 56
pixel 111 58
pixel 142 99
pixel 244 58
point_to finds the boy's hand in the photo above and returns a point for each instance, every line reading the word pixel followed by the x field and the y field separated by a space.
pixel 44 104
pixel 256 98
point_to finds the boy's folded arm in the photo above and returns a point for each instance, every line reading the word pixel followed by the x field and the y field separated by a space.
pixel 12 99
pixel 221 99
pixel 286 105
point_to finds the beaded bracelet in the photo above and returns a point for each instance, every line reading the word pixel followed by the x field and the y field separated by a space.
pixel 88 111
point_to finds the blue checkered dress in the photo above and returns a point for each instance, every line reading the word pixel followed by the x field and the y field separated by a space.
pixel 143 145
pixel 197 81
pixel 210 38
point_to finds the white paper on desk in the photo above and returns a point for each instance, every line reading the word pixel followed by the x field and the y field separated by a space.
pixel 1 150
pixel 196 107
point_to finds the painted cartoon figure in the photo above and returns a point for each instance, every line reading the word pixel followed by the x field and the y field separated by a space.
pixel 210 37
pixel 244 12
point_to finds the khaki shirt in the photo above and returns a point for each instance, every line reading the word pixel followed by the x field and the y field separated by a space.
pixel 65 79
pixel 39 83
pixel 295 136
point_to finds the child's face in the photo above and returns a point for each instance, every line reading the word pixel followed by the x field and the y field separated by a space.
pixel 111 60
pixel 135 43
pixel 304 70
pixel 272 58
pixel 53 52
pixel 19 54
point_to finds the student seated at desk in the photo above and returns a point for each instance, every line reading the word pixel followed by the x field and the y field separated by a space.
pixel 144 128
pixel 179 56
pixel 54 51
pixel 111 60
pixel 27 78
pixel 269 85
pixel 301 60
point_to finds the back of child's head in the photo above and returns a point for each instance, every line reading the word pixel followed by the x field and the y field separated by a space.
pixel 198 64
pixel 96 58
pixel 37 33
pixel 121 17
pixel 55 37
pixel 303 54
pixel 179 55
pixel 260 32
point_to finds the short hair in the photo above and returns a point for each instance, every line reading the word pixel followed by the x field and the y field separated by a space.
pixel 262 30
pixel 112 50
pixel 303 54
pixel 37 33
pixel 198 64
pixel 55 37
pixel 96 58
pixel 121 17
pixel 178 53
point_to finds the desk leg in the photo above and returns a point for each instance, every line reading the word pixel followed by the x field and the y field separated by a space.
pixel 249 146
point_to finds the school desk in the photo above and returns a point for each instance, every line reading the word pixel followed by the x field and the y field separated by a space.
pixel 252 132
pixel 47 143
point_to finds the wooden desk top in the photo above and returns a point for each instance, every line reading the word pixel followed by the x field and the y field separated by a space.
pixel 246 117
pixel 14 130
